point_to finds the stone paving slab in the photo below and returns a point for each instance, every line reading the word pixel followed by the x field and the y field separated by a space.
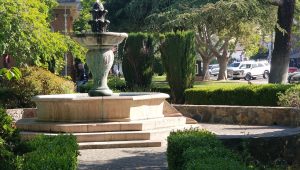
pixel 123 158
pixel 155 158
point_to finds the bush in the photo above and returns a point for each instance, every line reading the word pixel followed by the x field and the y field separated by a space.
pixel 179 141
pixel 35 81
pixel 9 140
pixel 244 95
pixel 199 149
pixel 218 158
pixel 138 56
pixel 114 83
pixel 291 97
pixel 51 153
pixel 178 57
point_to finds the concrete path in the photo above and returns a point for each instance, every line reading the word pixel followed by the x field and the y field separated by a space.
pixel 155 158
pixel 123 158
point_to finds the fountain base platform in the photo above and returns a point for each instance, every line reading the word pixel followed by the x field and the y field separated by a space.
pixel 118 121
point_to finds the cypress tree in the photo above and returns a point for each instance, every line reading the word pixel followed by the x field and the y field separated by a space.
pixel 179 58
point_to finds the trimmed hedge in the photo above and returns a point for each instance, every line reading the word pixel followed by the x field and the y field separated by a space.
pixel 243 95
pixel 199 149
pixel 51 153
pixel 43 152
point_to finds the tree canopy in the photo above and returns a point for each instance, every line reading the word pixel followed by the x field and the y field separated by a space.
pixel 25 34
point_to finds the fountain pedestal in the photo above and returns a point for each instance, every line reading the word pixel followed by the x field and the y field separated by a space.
pixel 100 57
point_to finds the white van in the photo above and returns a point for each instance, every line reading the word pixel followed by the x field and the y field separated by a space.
pixel 251 69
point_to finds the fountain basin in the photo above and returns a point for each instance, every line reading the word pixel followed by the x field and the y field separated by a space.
pixel 100 40
pixel 120 107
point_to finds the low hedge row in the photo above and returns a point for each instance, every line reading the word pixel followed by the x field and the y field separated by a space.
pixel 244 95
pixel 199 149
pixel 43 152
pixel 51 153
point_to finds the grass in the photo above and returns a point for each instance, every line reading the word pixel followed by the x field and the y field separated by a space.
pixel 161 82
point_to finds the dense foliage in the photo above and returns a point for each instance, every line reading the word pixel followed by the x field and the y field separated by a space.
pixel 9 141
pixel 178 56
pixel 35 81
pixel 290 98
pixel 244 95
pixel 25 34
pixel 115 83
pixel 43 152
pixel 199 149
pixel 51 153
pixel 138 57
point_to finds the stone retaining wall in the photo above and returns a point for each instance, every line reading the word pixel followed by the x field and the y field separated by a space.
pixel 246 115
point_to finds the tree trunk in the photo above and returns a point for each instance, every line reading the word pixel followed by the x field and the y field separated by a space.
pixel 282 45
pixel 205 72
pixel 223 67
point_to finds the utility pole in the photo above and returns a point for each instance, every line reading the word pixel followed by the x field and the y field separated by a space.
pixel 66 30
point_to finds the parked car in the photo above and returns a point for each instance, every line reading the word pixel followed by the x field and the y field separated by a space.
pixel 214 70
pixel 251 69
pixel 232 67
pixel 293 69
pixel 294 77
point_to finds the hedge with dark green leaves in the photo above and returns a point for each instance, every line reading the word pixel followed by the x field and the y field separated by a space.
pixel 199 149
pixel 51 153
pixel 179 57
pixel 138 57
pixel 243 95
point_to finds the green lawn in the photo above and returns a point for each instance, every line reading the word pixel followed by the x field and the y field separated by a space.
pixel 160 82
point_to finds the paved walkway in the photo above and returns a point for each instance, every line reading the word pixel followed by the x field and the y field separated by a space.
pixel 155 158
pixel 123 158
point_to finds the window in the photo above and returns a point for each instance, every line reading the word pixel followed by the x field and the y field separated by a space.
pixel 260 65
pixel 244 66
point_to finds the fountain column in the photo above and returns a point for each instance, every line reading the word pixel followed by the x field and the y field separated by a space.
pixel 100 62
pixel 100 45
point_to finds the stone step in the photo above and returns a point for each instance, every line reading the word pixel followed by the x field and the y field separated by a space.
pixel 97 136
pixel 119 144
pixel 37 126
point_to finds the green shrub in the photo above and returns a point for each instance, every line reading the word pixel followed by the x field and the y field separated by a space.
pixel 291 97
pixel 114 83
pixel 51 153
pixel 199 149
pixel 214 163
pixel 9 140
pixel 207 157
pixel 179 141
pixel 137 63
pixel 178 57
pixel 34 81
pixel 158 67
pixel 245 95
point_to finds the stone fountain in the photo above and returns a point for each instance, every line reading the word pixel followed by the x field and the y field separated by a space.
pixel 100 45
pixel 101 118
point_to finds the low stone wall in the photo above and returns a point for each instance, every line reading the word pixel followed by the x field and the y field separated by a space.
pixel 246 115
pixel 18 114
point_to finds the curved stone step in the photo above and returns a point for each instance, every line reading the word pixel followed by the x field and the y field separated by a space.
pixel 37 126
pixel 97 136
pixel 119 144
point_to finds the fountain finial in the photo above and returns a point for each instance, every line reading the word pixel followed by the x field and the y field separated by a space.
pixel 98 22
